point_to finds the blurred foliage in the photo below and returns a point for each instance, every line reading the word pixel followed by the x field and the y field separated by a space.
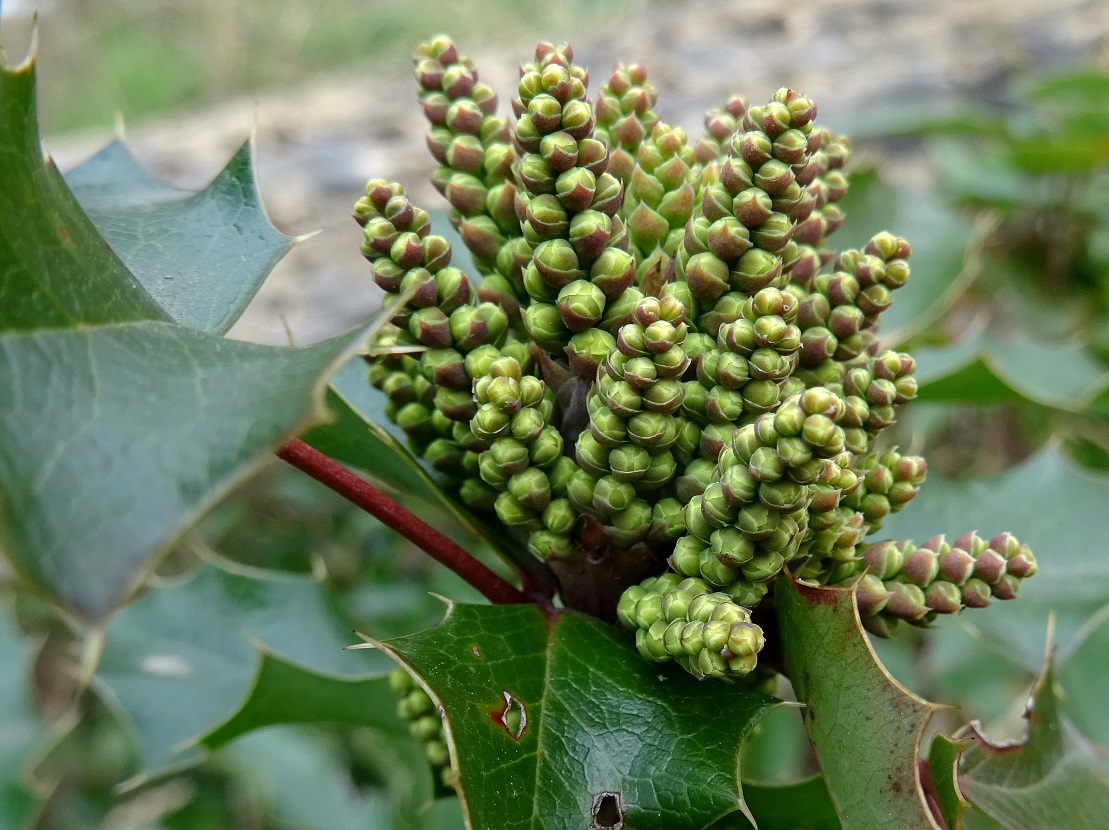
pixel 144 59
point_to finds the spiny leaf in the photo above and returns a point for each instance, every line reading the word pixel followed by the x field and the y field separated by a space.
pixel 943 764
pixel 116 437
pixel 873 777
pixel 201 254
pixel 984 368
pixel 55 270
pixel 185 658
pixel 556 721
pixel 1053 778
pixel 118 426
pixel 284 692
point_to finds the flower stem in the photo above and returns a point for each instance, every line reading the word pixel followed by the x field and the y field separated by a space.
pixel 338 478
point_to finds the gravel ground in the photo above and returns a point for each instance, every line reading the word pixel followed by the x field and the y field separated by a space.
pixel 316 146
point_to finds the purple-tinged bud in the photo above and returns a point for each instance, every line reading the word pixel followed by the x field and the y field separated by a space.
pixel 976 593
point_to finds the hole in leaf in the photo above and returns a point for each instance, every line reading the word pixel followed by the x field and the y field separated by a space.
pixel 607 811
pixel 512 716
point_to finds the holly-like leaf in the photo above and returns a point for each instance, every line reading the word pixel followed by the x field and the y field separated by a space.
pixel 236 649
pixel 119 426
pixel 984 368
pixel 1053 778
pixel 942 243
pixel 1051 504
pixel 866 728
pixel 1084 680
pixel 556 721
pixel 285 692
pixel 201 254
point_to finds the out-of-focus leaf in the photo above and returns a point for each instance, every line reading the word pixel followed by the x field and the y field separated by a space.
pixel 187 657
pixel 873 778
pixel 941 240
pixel 801 806
pixel 1084 678
pixel 201 254
pixel 777 750
pixel 304 782
pixel 985 368
pixel 1051 504
pixel 1051 779
pixel 21 731
pixel 556 721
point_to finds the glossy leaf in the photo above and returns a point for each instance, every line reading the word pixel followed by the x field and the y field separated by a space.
pixel 941 241
pixel 185 658
pixel 1085 682
pixel 1051 504
pixel 1053 778
pixel 984 368
pixel 873 778
pixel 557 721
pixel 201 254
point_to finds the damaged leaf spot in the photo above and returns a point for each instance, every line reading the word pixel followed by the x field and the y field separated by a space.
pixel 607 811
pixel 474 650
pixel 512 716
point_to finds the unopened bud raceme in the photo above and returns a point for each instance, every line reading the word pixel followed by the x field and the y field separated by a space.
pixel 664 361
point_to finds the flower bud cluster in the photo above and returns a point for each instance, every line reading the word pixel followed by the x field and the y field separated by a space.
pixel 567 205
pixel 627 455
pixel 827 188
pixel 685 620
pixel 659 198
pixel 625 117
pixel 687 374
pixel 425 724
pixel 915 584
pixel 524 461
pixel 473 146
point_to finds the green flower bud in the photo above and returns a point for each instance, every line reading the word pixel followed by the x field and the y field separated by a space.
pixel 531 489
pixel 612 495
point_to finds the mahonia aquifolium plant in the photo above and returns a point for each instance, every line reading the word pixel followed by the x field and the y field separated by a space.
pixel 666 380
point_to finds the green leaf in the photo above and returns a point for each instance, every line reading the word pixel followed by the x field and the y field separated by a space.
pixel 942 242
pixel 304 781
pixel 943 763
pixel 146 425
pixel 801 806
pixel 873 778
pixel 55 269
pixel 201 254
pixel 1051 504
pixel 119 428
pixel 21 731
pixel 985 368
pixel 1053 778
pixel 1085 682
pixel 185 658
pixel 556 720
pixel 281 689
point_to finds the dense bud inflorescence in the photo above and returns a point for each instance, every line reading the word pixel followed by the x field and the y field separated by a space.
pixel 664 362
pixel 424 723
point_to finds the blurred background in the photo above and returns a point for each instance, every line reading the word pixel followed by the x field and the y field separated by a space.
pixel 992 115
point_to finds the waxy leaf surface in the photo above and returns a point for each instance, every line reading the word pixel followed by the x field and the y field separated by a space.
pixel 556 721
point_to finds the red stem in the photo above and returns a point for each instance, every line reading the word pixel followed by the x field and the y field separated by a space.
pixel 337 477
